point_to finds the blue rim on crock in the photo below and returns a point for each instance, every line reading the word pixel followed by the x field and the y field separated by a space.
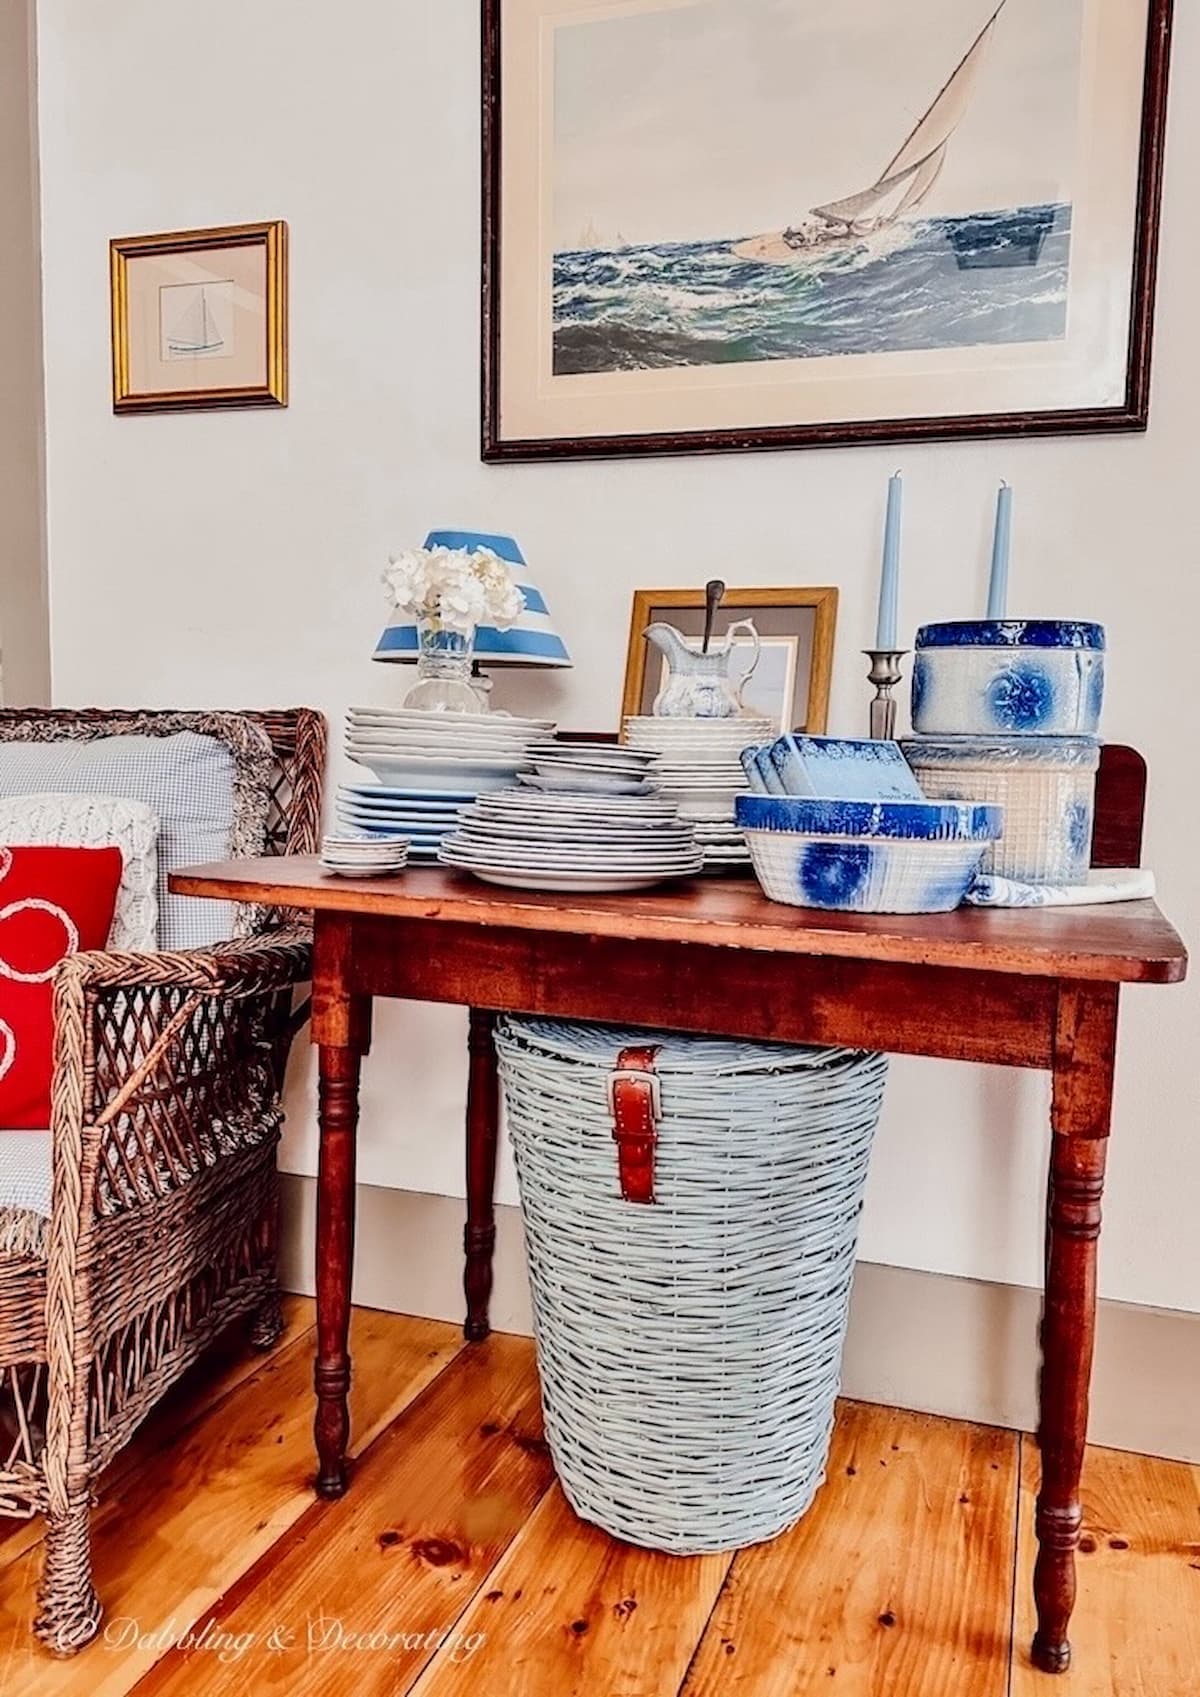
pixel 1012 633
pixel 923 821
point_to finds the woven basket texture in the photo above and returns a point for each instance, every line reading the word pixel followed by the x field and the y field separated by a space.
pixel 690 1349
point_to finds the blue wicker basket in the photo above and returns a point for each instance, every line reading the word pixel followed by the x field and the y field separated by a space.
pixel 690 1347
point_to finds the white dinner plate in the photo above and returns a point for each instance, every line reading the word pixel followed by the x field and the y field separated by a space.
pixel 408 716
pixel 609 756
pixel 573 883
pixel 418 798
pixel 455 851
pixel 597 783
pixel 435 775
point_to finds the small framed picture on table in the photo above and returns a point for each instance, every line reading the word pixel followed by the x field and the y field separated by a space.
pixel 199 319
pixel 796 627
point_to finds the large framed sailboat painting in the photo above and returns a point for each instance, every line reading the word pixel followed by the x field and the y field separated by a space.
pixel 778 223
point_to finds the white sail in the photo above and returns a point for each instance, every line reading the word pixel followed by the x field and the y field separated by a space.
pixel 918 164
pixel 922 181
pixel 868 203
pixel 195 332
pixel 949 108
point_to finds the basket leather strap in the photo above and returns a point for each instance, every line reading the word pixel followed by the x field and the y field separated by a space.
pixel 634 1095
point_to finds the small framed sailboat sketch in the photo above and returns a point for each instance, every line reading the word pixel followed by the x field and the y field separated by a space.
pixel 199 319
pixel 741 224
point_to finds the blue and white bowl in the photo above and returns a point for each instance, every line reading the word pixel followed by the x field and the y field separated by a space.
pixel 866 856
pixel 1008 677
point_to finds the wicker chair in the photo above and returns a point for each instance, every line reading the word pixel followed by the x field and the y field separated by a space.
pixel 165 1120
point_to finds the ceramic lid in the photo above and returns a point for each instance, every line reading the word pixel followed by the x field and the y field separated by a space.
pixel 929 821
pixel 1012 633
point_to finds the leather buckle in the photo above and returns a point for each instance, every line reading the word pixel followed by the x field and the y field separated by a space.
pixel 635 1101
pixel 635 1075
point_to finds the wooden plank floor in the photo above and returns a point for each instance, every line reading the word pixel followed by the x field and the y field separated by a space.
pixel 456 1566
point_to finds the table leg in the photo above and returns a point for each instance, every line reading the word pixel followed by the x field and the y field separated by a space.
pixel 341 1026
pixel 1085 1041
pixel 483 1133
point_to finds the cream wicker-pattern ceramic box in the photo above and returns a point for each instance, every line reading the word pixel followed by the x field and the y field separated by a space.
pixel 1046 785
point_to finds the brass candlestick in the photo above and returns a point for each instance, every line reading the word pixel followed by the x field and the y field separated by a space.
pixel 885 674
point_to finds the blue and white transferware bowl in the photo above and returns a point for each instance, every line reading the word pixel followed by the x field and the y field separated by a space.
pixel 863 856
pixel 1008 677
pixel 1046 786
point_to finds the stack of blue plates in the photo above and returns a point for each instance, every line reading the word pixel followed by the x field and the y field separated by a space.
pixel 424 816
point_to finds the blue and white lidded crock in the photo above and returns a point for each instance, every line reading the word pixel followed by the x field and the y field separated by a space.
pixel 1008 677
pixel 1046 785
pixel 866 856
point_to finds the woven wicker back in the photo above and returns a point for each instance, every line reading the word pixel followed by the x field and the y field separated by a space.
pixel 296 735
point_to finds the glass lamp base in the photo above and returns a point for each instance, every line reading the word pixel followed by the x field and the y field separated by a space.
pixel 445 695
pixel 444 673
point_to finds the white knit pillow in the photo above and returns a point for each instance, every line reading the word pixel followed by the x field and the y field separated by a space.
pixel 57 820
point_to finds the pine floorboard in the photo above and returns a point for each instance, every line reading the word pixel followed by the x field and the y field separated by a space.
pixel 909 1577
pixel 898 1579
pixel 1136 1627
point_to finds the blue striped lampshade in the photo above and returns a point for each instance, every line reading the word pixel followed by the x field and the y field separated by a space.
pixel 532 641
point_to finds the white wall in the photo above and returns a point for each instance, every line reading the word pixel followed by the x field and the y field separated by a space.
pixel 24 626
pixel 234 559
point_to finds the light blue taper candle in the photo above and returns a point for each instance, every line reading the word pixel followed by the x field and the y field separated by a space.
pixel 997 606
pixel 889 581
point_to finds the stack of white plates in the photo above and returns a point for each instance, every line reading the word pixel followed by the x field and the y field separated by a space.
pixel 423 816
pixel 696 764
pixel 463 752
pixel 355 856
pixel 697 738
pixel 588 768
pixel 587 842
pixel 428 767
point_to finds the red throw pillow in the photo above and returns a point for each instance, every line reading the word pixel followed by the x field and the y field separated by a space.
pixel 53 902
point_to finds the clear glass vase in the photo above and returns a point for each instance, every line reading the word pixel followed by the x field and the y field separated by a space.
pixel 444 672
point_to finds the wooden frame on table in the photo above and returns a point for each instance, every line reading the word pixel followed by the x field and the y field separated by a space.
pixel 571 368
pixel 199 318
pixel 805 618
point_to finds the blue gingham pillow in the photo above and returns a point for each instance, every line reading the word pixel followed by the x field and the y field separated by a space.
pixel 186 779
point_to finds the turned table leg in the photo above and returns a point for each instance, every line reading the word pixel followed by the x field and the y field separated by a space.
pixel 483 1132
pixel 341 1023
pixel 1085 1040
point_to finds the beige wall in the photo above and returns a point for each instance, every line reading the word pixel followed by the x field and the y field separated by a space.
pixel 24 636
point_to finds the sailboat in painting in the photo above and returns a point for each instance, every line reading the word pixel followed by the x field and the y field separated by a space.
pixel 903 184
pixel 195 332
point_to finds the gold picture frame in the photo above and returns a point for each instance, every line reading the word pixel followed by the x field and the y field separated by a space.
pixel 199 318
pixel 800 623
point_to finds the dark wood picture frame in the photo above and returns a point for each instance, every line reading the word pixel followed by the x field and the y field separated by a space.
pixel 1131 415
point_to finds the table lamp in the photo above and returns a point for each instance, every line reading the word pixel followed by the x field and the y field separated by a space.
pixel 531 641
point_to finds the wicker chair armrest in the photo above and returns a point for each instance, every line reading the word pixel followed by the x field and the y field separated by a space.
pixel 164 1063
pixel 249 966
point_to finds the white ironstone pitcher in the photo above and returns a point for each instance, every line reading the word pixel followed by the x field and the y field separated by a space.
pixel 699 685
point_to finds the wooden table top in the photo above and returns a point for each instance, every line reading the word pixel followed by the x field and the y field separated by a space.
pixel 1123 942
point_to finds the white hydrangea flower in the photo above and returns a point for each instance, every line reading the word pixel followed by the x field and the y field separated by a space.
pixel 454 587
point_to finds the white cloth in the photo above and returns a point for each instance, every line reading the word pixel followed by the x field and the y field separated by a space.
pixel 1104 884
pixel 55 820
pixel 186 780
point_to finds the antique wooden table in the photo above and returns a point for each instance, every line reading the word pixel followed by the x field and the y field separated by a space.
pixel 1032 988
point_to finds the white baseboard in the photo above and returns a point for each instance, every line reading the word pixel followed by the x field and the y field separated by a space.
pixel 943 1345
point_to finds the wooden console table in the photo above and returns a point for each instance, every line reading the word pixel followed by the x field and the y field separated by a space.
pixel 1020 988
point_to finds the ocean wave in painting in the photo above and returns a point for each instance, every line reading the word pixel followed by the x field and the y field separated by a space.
pixel 990 279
